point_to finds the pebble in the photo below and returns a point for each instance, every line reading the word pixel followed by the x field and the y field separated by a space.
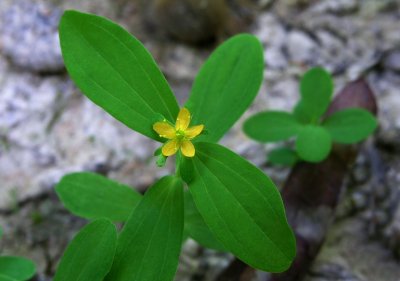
pixel 270 31
pixel 386 88
pixel 392 61
pixel 337 6
pixel 301 48
pixel 275 59
pixel 29 36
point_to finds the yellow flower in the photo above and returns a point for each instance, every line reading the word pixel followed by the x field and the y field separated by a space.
pixel 179 136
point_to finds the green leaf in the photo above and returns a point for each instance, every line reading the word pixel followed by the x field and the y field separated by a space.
pixel 350 125
pixel 93 196
pixel 6 278
pixel 242 208
pixel 115 71
pixel 149 244
pixel 316 88
pixel 271 126
pixel 313 143
pixel 283 156
pixel 90 254
pixel 185 167
pixel 16 268
pixel 196 228
pixel 1 232
pixel 302 115
pixel 226 85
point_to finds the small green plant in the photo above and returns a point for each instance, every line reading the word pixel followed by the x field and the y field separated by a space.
pixel 15 268
pixel 313 131
pixel 229 204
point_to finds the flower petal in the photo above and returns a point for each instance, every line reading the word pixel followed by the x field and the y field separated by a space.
pixel 165 130
pixel 194 131
pixel 170 147
pixel 183 120
pixel 187 148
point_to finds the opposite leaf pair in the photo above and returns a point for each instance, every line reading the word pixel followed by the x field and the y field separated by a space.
pixel 314 132
pixel 15 268
pixel 92 196
pixel 239 204
pixel 95 197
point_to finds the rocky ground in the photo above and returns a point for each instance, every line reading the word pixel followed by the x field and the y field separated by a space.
pixel 47 128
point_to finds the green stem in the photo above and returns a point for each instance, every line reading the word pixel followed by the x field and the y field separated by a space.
pixel 177 164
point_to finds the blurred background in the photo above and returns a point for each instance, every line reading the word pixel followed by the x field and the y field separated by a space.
pixel 47 128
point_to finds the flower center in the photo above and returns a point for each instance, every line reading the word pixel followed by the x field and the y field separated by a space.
pixel 180 135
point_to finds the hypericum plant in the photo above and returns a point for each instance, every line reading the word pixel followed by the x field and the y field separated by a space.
pixel 230 205
pixel 313 131
pixel 15 268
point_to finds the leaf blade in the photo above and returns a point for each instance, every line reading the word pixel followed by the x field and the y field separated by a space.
pixel 90 254
pixel 226 85
pixel 234 197
pixel 313 143
pixel 271 126
pixel 196 228
pixel 16 268
pixel 93 196
pixel 316 89
pixel 301 114
pixel 6 278
pixel 350 125
pixel 283 156
pixel 115 71
pixel 149 245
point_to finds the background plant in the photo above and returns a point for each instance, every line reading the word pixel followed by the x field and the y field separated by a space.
pixel 15 268
pixel 231 204
pixel 313 130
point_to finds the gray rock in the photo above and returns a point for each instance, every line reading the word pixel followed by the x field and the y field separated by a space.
pixel 196 264
pixel 359 67
pixel 274 58
pixel 372 7
pixel 39 231
pixel 301 48
pixel 332 271
pixel 386 88
pixel 181 62
pixel 270 30
pixel 337 6
pixel 392 234
pixel 349 255
pixel 29 30
pixel 332 55
pixel 27 107
pixel 29 36
pixel 392 61
pixel 273 36
pixel 264 3
pixel 191 20
pixel 47 130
